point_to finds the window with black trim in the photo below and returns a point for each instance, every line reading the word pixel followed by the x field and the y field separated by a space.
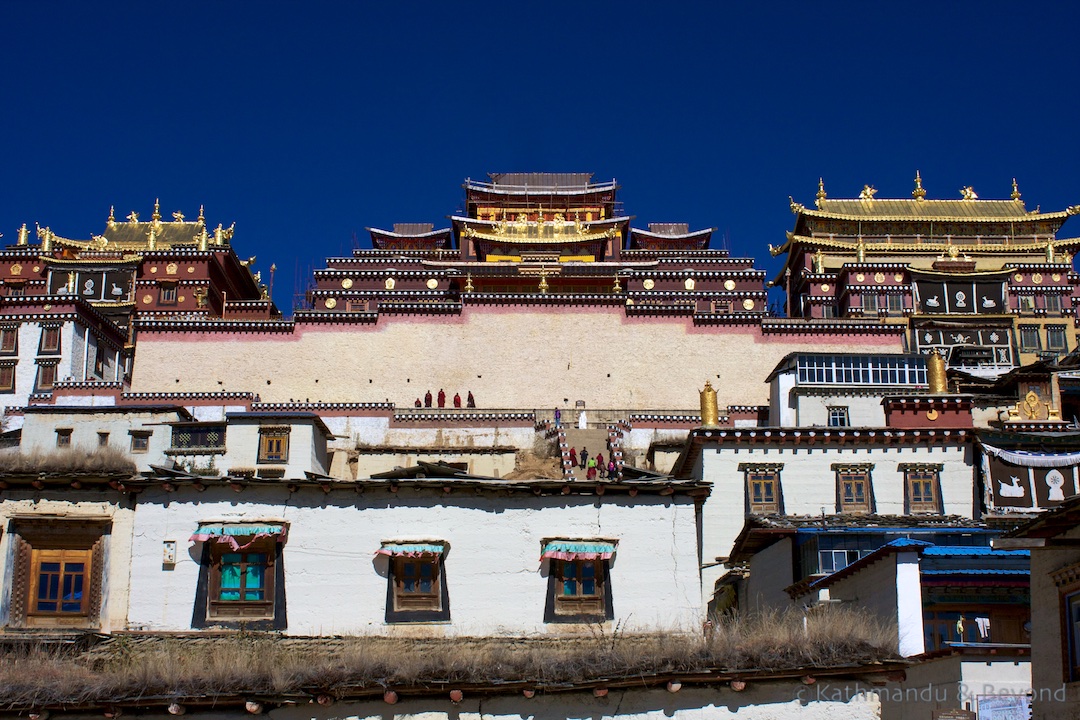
pixel 1052 302
pixel 199 437
pixel 57 575
pixel 46 376
pixel 922 488
pixel 1072 635
pixel 1026 303
pixel 578 580
pixel 167 293
pixel 1055 338
pixel 896 303
pixel 869 302
pixel 762 487
pixel 103 439
pixel 7 377
pixel 416 588
pixel 274 444
pixel 854 493
pixel 9 339
pixel 50 340
pixel 241 579
pixel 140 441
pixel 838 416
pixel 1029 338
pixel 63 437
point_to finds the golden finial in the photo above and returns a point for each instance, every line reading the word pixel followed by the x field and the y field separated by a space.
pixel 543 280
pixel 112 216
pixel 868 192
pixel 918 193
pixel 468 283
pixel 157 210
pixel 1015 195
pixel 178 216
pixel 617 288
pixel 133 217
pixel 710 412
pixel 820 191
pixel 152 235
pixel 204 239
pixel 23 234
pixel 968 193
pixel 201 219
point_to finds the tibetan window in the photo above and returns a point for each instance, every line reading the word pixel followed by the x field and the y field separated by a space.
pixel 274 444
pixel 140 441
pixel 7 377
pixel 9 339
pixel 167 293
pixel 50 340
pixel 838 416
pixel 1055 338
pixel 416 586
pixel 190 438
pixel 241 578
pixel 854 493
pixel 63 437
pixel 46 375
pixel 578 587
pixel 922 487
pixel 1029 338
pixel 57 577
pixel 1052 302
pixel 762 487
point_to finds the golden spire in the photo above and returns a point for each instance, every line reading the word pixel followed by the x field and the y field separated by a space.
pixel 820 191
pixel 157 211
pixel 23 234
pixel 468 283
pixel 201 219
pixel 112 216
pixel 543 287
pixel 617 287
pixel 1015 195
pixel 918 193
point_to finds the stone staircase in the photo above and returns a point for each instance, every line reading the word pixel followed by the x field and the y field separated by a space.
pixel 595 439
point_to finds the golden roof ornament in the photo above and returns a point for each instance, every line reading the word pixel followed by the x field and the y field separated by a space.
pixel 820 191
pixel 796 208
pixel 178 216
pixel 24 235
pixel 543 287
pixel 968 193
pixel 1050 251
pixel 152 241
pixel 111 220
pixel 133 217
pixel 868 192
pixel 157 210
pixel 1015 194
pixel 203 238
pixel 468 283
pixel 819 262
pixel 860 250
pixel 617 288
pixel 46 235
pixel 918 193
pixel 201 219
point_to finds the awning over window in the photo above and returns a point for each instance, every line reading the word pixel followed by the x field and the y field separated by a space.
pixel 417 549
pixel 227 533
pixel 578 549
pixel 1033 459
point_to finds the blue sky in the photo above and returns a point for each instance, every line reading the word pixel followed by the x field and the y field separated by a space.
pixel 304 123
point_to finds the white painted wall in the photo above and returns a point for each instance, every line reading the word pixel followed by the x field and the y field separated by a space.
pixel 307 446
pixel 808 484
pixel 770 573
pixel 812 408
pixel 39 432
pixel 497 585
pixel 955 682
pixel 76 504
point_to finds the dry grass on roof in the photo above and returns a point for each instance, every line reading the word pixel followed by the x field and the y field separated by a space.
pixel 106 461
pixel 140 667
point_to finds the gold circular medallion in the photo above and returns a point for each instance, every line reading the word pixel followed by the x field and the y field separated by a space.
pixel 154 270
pixel 748 304
pixel 346 283
pixel 689 284
pixel 648 284
pixel 46 307
pixel 825 287
pixel 432 283
pixel 729 284
pixel 860 277
pixel 932 414
pixel 879 277
pixel 1056 277
pixel 171 268
pixel 1018 277
pixel 390 283
pixel 16 269
pixel 181 299
pixel 146 299
pixel 331 303
pixel 1037 278
pixel 37 268
pixel 898 277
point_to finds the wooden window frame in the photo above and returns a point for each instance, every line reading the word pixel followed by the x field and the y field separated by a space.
pixel 138 437
pixel 837 410
pixel 1025 346
pixel 63 437
pixel 1057 347
pixel 922 476
pixel 578 607
pixel 46 376
pixel 50 340
pixel 405 606
pixel 242 609
pixel 1070 634
pixel 36 542
pixel 168 293
pixel 855 475
pixel 9 340
pixel 100 361
pixel 274 445
pixel 763 476
pixel 7 377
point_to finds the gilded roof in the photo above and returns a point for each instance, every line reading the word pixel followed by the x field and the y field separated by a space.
pixel 914 209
